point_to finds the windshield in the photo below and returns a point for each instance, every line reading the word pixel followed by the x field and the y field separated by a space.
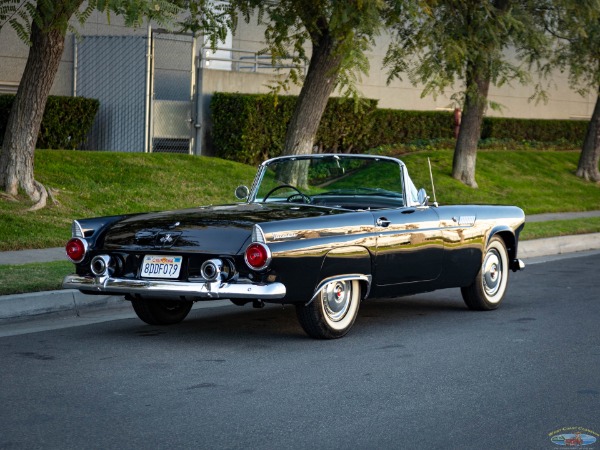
pixel 334 180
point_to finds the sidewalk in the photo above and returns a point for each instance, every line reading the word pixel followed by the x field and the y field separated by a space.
pixel 71 302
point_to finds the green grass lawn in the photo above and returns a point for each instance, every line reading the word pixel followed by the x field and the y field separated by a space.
pixel 536 181
pixel 35 277
pixel 92 184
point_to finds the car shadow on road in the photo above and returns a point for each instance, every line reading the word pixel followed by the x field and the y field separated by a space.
pixel 279 322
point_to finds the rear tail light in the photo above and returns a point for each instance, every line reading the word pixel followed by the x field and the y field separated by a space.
pixel 76 249
pixel 257 256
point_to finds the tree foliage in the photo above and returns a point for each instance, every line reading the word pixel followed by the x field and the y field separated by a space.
pixel 293 28
pixel 576 26
pixel 332 37
pixel 465 46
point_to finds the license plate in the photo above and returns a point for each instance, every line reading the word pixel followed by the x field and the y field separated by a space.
pixel 155 266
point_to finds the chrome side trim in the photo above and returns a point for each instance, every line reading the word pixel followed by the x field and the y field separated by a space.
pixel 208 290
pixel 347 277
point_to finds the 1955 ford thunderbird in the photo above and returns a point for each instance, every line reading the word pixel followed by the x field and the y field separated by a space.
pixel 321 232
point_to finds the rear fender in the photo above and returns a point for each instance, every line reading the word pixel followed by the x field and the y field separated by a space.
pixel 343 264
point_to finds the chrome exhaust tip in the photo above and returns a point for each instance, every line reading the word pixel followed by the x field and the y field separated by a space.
pixel 101 265
pixel 212 270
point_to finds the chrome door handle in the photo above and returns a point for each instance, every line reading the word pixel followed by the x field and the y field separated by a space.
pixel 383 222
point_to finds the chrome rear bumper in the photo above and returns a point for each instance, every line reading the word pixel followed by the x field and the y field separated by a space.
pixel 160 288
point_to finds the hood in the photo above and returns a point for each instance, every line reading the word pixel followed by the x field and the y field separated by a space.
pixel 211 229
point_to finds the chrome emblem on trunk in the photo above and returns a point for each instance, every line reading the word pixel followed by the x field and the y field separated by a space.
pixel 166 239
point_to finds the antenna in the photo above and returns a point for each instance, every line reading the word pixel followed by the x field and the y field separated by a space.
pixel 435 203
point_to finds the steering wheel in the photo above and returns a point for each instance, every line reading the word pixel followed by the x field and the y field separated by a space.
pixel 304 197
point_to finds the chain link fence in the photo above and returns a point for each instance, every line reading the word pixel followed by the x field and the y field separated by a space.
pixel 146 88
pixel 113 69
pixel 145 91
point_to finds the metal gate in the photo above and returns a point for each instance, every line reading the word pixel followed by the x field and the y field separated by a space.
pixel 172 124
pixel 114 70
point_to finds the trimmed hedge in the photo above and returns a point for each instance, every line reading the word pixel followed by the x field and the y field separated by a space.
pixel 251 128
pixel 541 130
pixel 394 126
pixel 66 121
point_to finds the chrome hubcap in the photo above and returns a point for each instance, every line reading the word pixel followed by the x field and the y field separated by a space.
pixel 492 273
pixel 336 299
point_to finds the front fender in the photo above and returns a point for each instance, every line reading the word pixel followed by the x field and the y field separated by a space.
pixel 508 237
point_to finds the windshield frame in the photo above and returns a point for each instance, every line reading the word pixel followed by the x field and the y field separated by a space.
pixel 409 191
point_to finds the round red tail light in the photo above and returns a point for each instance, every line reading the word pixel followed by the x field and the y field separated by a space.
pixel 76 249
pixel 257 256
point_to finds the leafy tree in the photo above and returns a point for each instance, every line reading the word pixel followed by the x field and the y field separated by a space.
pixel 43 25
pixel 576 25
pixel 469 43
pixel 336 32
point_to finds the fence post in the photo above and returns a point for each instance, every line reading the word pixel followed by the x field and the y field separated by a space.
pixel 199 94
pixel 148 99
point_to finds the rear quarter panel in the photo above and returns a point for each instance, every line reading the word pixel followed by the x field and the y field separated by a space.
pixel 305 251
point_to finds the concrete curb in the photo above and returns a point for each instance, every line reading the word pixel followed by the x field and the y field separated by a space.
pixel 42 304
pixel 558 245
pixel 71 302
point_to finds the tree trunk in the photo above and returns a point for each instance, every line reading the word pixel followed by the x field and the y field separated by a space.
pixel 465 152
pixel 17 157
pixel 320 82
pixel 590 152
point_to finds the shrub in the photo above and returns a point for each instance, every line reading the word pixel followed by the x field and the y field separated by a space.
pixel 542 130
pixel 250 128
pixel 66 121
pixel 392 126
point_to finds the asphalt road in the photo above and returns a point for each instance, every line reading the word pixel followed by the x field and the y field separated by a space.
pixel 417 373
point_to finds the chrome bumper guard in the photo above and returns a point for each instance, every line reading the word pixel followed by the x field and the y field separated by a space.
pixel 205 290
pixel 516 265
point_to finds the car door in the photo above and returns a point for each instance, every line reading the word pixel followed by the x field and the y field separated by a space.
pixel 409 245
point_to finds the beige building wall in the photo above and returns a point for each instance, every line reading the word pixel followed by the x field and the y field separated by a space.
pixel 564 103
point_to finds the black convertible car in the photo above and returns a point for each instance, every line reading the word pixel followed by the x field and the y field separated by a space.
pixel 322 232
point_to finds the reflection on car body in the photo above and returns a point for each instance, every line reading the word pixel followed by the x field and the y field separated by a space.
pixel 321 232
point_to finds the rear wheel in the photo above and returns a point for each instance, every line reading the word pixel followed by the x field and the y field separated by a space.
pixel 488 288
pixel 161 312
pixel 331 314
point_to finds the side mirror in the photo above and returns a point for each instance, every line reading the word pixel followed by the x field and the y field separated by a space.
pixel 422 197
pixel 242 192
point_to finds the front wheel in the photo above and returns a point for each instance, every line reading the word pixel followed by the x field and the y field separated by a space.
pixel 488 288
pixel 331 314
pixel 161 312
